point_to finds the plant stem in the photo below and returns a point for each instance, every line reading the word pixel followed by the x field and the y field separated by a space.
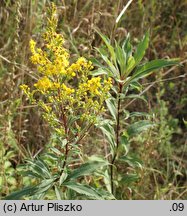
pixel 117 133
pixel 66 156
pixel 64 122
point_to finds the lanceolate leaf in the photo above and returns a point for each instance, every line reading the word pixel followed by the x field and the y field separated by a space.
pixel 150 67
pixel 95 62
pixel 139 127
pixel 45 185
pixel 83 189
pixel 132 161
pixel 27 191
pixel 112 107
pixel 32 190
pixel 113 69
pixel 31 174
pixel 138 114
pixel 108 131
pixel 63 177
pixel 58 193
pixel 37 169
pixel 120 58
pixel 40 168
pixel 141 48
pixel 109 46
pixel 129 179
pixel 135 96
pixel 99 71
pixel 127 47
pixel 87 169
pixel 130 64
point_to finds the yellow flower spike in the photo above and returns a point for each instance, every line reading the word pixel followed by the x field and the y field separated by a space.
pixel 65 84
pixel 54 59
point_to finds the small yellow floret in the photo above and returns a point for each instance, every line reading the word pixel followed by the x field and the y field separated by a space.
pixel 67 90
pixel 43 84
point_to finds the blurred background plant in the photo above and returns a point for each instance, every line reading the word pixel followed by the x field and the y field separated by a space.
pixel 162 149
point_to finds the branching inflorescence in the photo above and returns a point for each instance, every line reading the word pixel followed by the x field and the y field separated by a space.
pixel 68 90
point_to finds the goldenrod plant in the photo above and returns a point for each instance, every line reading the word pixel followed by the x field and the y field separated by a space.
pixel 72 97
pixel 124 66
pixel 71 100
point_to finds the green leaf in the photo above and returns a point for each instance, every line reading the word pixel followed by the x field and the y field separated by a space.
pixel 56 151
pixel 87 169
pixel 139 127
pixel 124 140
pixel 109 46
pixel 27 191
pixel 141 48
pixel 108 130
pixel 63 177
pixel 121 58
pixel 131 161
pixel 97 158
pixel 124 143
pixel 129 179
pixel 36 169
pixel 107 180
pixel 138 114
pixel 46 182
pixel 136 86
pixel 112 107
pixel 71 121
pixel 113 69
pixel 127 47
pixel 40 168
pixel 52 156
pixel 43 165
pixel 135 96
pixel 83 189
pixel 58 193
pixel 99 71
pixel 130 65
pixel 45 185
pixel 31 174
pixel 150 67
pixel 95 62
pixel 10 154
pixel 185 122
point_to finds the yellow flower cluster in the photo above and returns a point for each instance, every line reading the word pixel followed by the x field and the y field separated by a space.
pixel 82 65
pixel 68 88
pixel 91 95
pixel 43 84
pixel 54 58
pixel 94 86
